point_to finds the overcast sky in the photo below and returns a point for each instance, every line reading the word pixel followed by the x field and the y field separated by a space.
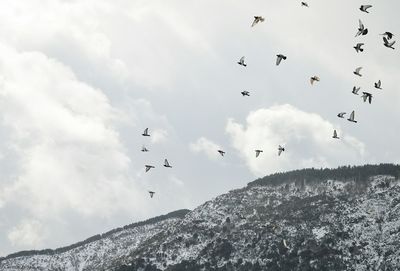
pixel 81 80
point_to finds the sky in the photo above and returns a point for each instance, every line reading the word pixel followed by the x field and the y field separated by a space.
pixel 81 80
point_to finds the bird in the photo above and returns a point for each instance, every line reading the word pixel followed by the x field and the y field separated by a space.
pixel 304 4
pixel 358 47
pixel 245 93
pixel 148 167
pixel 280 150
pixel 241 62
pixel 258 152
pixel 257 19
pixel 341 114
pixel 367 95
pixel 361 29
pixel 378 84
pixel 279 59
pixel 355 90
pixel 352 115
pixel 389 35
pixel 335 134
pixel 221 152
pixel 313 79
pixel 388 44
pixel 144 149
pixel 151 193
pixel 364 8
pixel 146 132
pixel 166 164
pixel 357 71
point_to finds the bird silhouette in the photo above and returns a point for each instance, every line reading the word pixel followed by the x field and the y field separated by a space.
pixel 335 134
pixel 245 93
pixel 257 19
pixel 258 152
pixel 378 84
pixel 389 35
pixel 151 193
pixel 280 150
pixel 313 79
pixel 388 44
pixel 355 90
pixel 351 118
pixel 146 132
pixel 367 96
pixel 358 47
pixel 148 167
pixel 341 114
pixel 304 4
pixel 362 30
pixel 144 149
pixel 279 59
pixel 166 164
pixel 357 71
pixel 221 152
pixel 364 8
pixel 241 62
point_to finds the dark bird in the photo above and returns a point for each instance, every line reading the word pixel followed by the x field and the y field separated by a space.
pixel 341 114
pixel 352 115
pixel 146 132
pixel 144 149
pixel 388 44
pixel 388 35
pixel 279 59
pixel 367 95
pixel 304 4
pixel 313 79
pixel 358 47
pixel 364 8
pixel 258 152
pixel 221 152
pixel 280 150
pixel 148 167
pixel 257 19
pixel 378 85
pixel 151 193
pixel 241 62
pixel 357 71
pixel 245 93
pixel 166 164
pixel 355 90
pixel 335 134
pixel 362 30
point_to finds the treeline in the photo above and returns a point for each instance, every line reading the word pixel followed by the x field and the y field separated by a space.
pixel 175 214
pixel 343 173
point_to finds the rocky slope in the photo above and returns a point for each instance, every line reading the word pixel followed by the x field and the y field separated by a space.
pixel 342 219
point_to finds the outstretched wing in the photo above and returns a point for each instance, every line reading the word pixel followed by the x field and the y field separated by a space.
pixel 278 60
pixel 166 163
pixel 385 40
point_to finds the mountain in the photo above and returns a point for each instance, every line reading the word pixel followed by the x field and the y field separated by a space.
pixel 313 219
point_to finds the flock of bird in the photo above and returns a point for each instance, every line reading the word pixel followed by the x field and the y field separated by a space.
pixel 361 31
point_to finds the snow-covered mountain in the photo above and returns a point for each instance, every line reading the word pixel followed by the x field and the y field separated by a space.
pixel 342 219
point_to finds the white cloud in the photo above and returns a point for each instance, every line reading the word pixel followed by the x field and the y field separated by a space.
pixel 159 135
pixel 206 146
pixel 27 233
pixel 306 136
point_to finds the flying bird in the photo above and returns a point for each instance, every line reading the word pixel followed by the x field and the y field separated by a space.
pixel 364 8
pixel 151 193
pixel 358 47
pixel 388 44
pixel 257 19
pixel 146 132
pixel 166 164
pixel 335 134
pixel 245 93
pixel 362 30
pixel 313 79
pixel 352 115
pixel 279 59
pixel 304 4
pixel 341 114
pixel 221 152
pixel 241 62
pixel 258 152
pixel 280 150
pixel 378 84
pixel 367 95
pixel 144 149
pixel 148 167
pixel 355 90
pixel 389 35
pixel 357 71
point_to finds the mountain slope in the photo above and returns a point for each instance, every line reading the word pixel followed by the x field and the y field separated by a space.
pixel 342 219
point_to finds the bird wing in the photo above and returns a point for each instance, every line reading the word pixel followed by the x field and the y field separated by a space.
pixel 279 152
pixel 367 7
pixel 360 24
pixel 146 131
pixel 255 21
pixel 334 133
pixel 241 59
pixel 385 41
pixel 358 69
pixel 278 60
pixel 166 163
